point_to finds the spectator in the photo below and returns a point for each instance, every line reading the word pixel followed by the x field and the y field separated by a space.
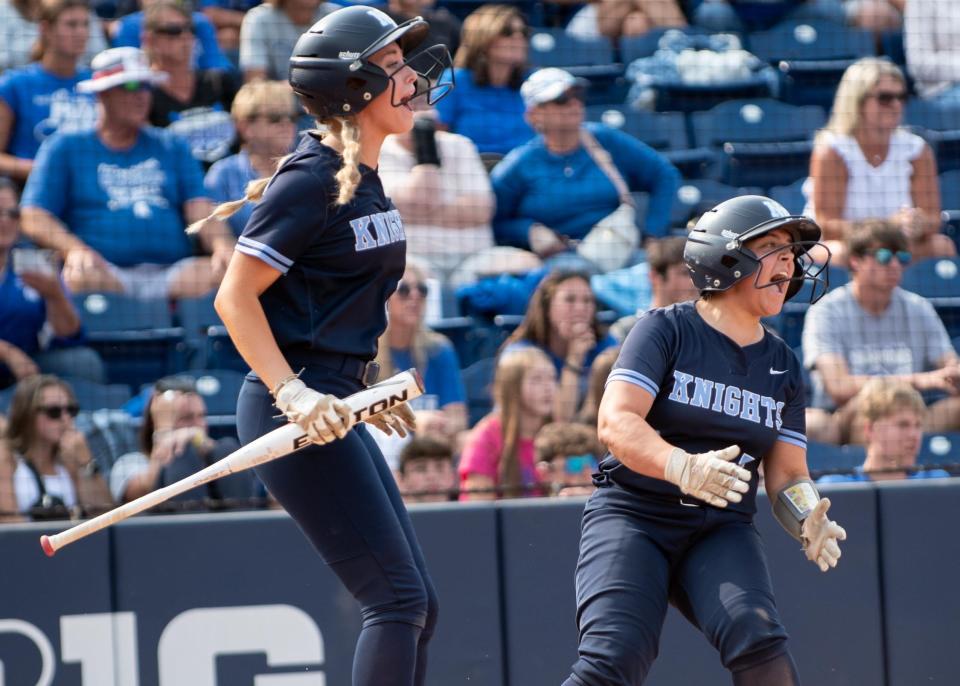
pixel 174 443
pixel 407 342
pixel 38 99
pixel 498 458
pixel 864 166
pixel 892 413
pixel 264 113
pixel 8 500
pixel 442 189
pixel 444 26
pixel 561 321
pixel 55 473
pixel 616 19
pixel 743 16
pixel 670 281
pixel 270 30
pixel 596 382
pixel 20 32
pixel 561 184
pixel 93 194
pixel 489 67
pixel 931 34
pixel 567 456
pixel 879 16
pixel 871 327
pixel 128 32
pixel 40 329
pixel 193 103
pixel 227 18
pixel 427 474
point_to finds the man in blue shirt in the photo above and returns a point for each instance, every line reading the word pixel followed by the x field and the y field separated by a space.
pixel 551 188
pixel 115 200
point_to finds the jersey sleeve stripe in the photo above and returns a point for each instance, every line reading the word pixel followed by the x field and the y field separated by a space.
pixel 793 434
pixel 636 378
pixel 793 441
pixel 266 250
pixel 263 256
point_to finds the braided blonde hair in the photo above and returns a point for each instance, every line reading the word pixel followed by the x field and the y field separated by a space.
pixel 347 177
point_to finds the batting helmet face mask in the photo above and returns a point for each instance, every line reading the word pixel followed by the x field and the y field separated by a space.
pixel 331 71
pixel 717 258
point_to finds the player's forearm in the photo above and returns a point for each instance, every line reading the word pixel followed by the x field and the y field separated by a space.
pixel 634 442
pixel 48 232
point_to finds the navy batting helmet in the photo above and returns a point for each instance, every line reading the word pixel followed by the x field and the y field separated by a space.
pixel 715 252
pixel 330 67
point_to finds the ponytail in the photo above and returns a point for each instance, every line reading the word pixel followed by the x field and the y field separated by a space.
pixel 347 177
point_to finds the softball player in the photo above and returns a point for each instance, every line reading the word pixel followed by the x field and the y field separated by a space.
pixel 700 395
pixel 306 290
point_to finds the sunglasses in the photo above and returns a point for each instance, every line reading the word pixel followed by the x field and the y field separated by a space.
pixel 12 213
pixel 404 289
pixel 884 256
pixel 575 464
pixel 56 411
pixel 273 117
pixel 173 29
pixel 567 97
pixel 513 30
pixel 136 86
pixel 886 98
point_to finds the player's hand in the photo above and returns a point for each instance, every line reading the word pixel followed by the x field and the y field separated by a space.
pixel 820 536
pixel 322 416
pixel 399 418
pixel 710 476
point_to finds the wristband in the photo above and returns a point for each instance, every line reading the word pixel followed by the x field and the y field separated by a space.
pixel 793 504
pixel 572 367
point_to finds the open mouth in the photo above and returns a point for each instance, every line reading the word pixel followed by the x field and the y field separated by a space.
pixel 780 280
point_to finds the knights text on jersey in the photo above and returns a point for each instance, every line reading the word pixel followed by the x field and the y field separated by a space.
pixel 338 264
pixel 710 393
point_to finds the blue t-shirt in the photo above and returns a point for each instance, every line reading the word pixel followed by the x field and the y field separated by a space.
pixel 127 205
pixel 24 313
pixel 338 264
pixel 571 193
pixel 208 53
pixel 709 393
pixel 227 180
pixel 441 376
pixel 490 116
pixel 235 5
pixel 859 475
pixel 43 103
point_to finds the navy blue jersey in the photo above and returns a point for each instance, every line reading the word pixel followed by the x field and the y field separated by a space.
pixel 339 264
pixel 710 392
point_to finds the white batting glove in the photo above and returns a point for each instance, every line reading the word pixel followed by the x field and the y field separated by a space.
pixel 820 536
pixel 322 416
pixel 399 418
pixel 710 476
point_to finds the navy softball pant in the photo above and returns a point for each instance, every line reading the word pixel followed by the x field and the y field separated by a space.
pixel 637 554
pixel 345 500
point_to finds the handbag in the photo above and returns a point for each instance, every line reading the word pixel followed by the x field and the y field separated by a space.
pixel 612 240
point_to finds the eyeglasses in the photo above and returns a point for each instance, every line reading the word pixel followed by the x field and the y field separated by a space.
pixel 514 29
pixel 887 98
pixel 273 117
pixel 884 256
pixel 404 289
pixel 11 213
pixel 565 98
pixel 135 86
pixel 173 29
pixel 56 411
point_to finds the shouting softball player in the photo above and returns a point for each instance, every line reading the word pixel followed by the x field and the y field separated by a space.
pixel 700 395
pixel 306 290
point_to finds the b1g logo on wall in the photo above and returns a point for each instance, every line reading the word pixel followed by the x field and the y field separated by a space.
pixel 105 647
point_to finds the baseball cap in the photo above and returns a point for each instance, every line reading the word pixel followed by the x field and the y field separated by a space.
pixel 546 85
pixel 117 66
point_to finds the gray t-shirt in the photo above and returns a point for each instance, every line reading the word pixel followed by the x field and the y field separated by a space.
pixel 267 38
pixel 908 338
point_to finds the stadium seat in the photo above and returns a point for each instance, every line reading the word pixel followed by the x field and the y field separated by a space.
pixel 636 47
pixel 790 196
pixel 811 40
pixel 762 142
pixel 892 47
pixel 940 125
pixel 5 396
pixel 219 389
pixel 938 277
pixel 478 382
pixel 589 58
pixel 827 458
pixel 467 336
pixel 942 449
pixel 94 396
pixel 195 316
pixel 135 337
pixel 695 97
pixel 696 196
pixel 220 351
pixel 950 188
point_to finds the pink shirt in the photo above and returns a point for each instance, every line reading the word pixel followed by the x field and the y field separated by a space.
pixel 481 454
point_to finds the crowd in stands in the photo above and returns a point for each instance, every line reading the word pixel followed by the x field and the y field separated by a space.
pixel 543 213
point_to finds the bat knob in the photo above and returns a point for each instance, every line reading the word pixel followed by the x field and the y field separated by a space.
pixel 47 546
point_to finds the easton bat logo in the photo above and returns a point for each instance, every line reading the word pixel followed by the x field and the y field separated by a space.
pixel 373 408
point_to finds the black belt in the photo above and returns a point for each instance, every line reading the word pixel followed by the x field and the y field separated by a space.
pixel 364 371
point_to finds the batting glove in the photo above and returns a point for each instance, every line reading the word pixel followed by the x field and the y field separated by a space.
pixel 322 416
pixel 710 476
pixel 399 418
pixel 820 536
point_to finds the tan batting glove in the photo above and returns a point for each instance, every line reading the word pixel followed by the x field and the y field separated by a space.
pixel 322 416
pixel 399 418
pixel 710 476
pixel 820 536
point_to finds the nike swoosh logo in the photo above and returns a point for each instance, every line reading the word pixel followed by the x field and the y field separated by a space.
pixel 777 371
